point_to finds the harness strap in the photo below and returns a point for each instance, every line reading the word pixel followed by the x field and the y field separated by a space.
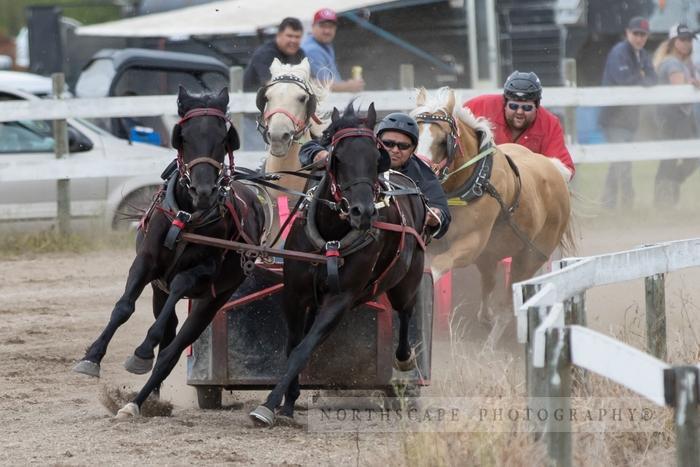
pixel 486 152
pixel 332 265
pixel 508 212
pixel 176 227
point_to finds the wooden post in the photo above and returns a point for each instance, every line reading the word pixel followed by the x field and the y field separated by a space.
pixel 654 287
pixel 60 137
pixel 235 74
pixel 406 76
pixel 558 358
pixel 535 377
pixel 682 393
pixel 569 71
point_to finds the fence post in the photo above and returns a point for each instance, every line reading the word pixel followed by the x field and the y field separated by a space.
pixel 406 76
pixel 569 70
pixel 558 363
pixel 535 377
pixel 60 137
pixel 682 392
pixel 235 77
pixel 654 287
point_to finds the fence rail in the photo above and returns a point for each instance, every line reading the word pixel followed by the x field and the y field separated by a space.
pixel 544 309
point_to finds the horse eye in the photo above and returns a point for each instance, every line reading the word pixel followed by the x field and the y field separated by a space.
pixel 302 99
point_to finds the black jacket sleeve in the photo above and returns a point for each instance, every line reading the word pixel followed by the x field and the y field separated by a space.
pixel 308 151
pixel 429 184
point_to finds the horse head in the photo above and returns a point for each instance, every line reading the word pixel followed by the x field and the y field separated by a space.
pixel 353 165
pixel 287 104
pixel 450 136
pixel 203 137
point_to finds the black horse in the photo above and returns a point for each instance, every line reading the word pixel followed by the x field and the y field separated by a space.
pixel 380 250
pixel 201 198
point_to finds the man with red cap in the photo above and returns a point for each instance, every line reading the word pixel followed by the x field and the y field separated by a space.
pixel 318 47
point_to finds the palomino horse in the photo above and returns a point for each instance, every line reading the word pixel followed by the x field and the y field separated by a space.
pixel 506 200
pixel 380 249
pixel 199 198
pixel 287 107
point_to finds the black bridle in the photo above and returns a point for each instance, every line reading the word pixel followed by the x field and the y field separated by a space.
pixel 453 142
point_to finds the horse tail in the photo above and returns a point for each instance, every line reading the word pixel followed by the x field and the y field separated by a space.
pixel 568 241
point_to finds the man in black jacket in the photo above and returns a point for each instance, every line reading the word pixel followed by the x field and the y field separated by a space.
pixel 399 134
pixel 286 46
pixel 628 64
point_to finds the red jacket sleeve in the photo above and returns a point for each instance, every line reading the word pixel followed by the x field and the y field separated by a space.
pixel 553 145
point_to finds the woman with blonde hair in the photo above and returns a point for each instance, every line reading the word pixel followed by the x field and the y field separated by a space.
pixel 673 64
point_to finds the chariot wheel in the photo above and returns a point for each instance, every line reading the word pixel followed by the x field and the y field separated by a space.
pixel 209 397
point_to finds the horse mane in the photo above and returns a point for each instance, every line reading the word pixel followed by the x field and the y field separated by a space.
pixel 437 102
pixel 303 71
pixel 349 119
pixel 199 101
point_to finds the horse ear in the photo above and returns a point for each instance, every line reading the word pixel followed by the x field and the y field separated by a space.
pixel 421 97
pixel 450 107
pixel 371 116
pixel 182 97
pixel 233 142
pixel 335 116
pixel 222 98
pixel 275 66
pixel 176 138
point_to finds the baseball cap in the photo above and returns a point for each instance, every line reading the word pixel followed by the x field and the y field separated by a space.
pixel 680 30
pixel 638 23
pixel 325 14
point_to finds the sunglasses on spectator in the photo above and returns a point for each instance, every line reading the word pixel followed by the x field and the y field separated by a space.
pixel 390 144
pixel 640 33
pixel 526 107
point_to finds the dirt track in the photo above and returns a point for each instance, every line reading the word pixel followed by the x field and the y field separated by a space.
pixel 52 306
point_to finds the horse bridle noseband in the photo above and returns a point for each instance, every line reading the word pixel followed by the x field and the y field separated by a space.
pixel 223 172
pixel 300 126
pixel 453 142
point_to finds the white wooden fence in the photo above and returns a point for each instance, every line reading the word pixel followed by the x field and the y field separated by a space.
pixel 384 101
pixel 550 313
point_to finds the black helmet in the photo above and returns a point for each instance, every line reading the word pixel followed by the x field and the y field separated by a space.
pixel 522 86
pixel 401 122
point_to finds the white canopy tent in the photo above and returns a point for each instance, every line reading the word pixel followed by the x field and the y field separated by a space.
pixel 222 17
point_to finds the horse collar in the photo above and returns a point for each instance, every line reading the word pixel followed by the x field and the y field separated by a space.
pixel 474 187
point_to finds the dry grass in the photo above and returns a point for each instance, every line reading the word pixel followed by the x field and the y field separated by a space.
pixel 13 244
pixel 481 371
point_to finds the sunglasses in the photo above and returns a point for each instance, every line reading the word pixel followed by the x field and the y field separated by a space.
pixel 390 144
pixel 526 107
pixel 640 33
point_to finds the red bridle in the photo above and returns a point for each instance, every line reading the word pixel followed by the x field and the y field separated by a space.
pixel 185 168
pixel 336 189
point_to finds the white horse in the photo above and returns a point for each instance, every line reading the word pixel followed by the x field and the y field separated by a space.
pixel 287 119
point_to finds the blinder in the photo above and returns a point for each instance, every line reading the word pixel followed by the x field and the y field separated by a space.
pixel 451 138
pixel 384 163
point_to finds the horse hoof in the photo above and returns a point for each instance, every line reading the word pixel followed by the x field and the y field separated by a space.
pixel 406 365
pixel 137 365
pixel 86 367
pixel 130 410
pixel 263 416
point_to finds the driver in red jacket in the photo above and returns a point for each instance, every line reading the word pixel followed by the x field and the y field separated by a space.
pixel 517 117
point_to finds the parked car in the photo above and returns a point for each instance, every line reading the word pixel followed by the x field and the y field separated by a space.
pixel 28 82
pixel 145 72
pixel 29 142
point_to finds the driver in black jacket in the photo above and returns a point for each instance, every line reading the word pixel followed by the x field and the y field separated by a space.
pixel 399 134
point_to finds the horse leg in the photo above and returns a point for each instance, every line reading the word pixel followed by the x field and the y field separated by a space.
pixel 463 252
pixel 140 274
pixel 182 284
pixel 295 314
pixel 403 299
pixel 203 312
pixel 487 266
pixel 328 316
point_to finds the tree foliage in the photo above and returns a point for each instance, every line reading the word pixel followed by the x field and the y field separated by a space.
pixel 13 15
